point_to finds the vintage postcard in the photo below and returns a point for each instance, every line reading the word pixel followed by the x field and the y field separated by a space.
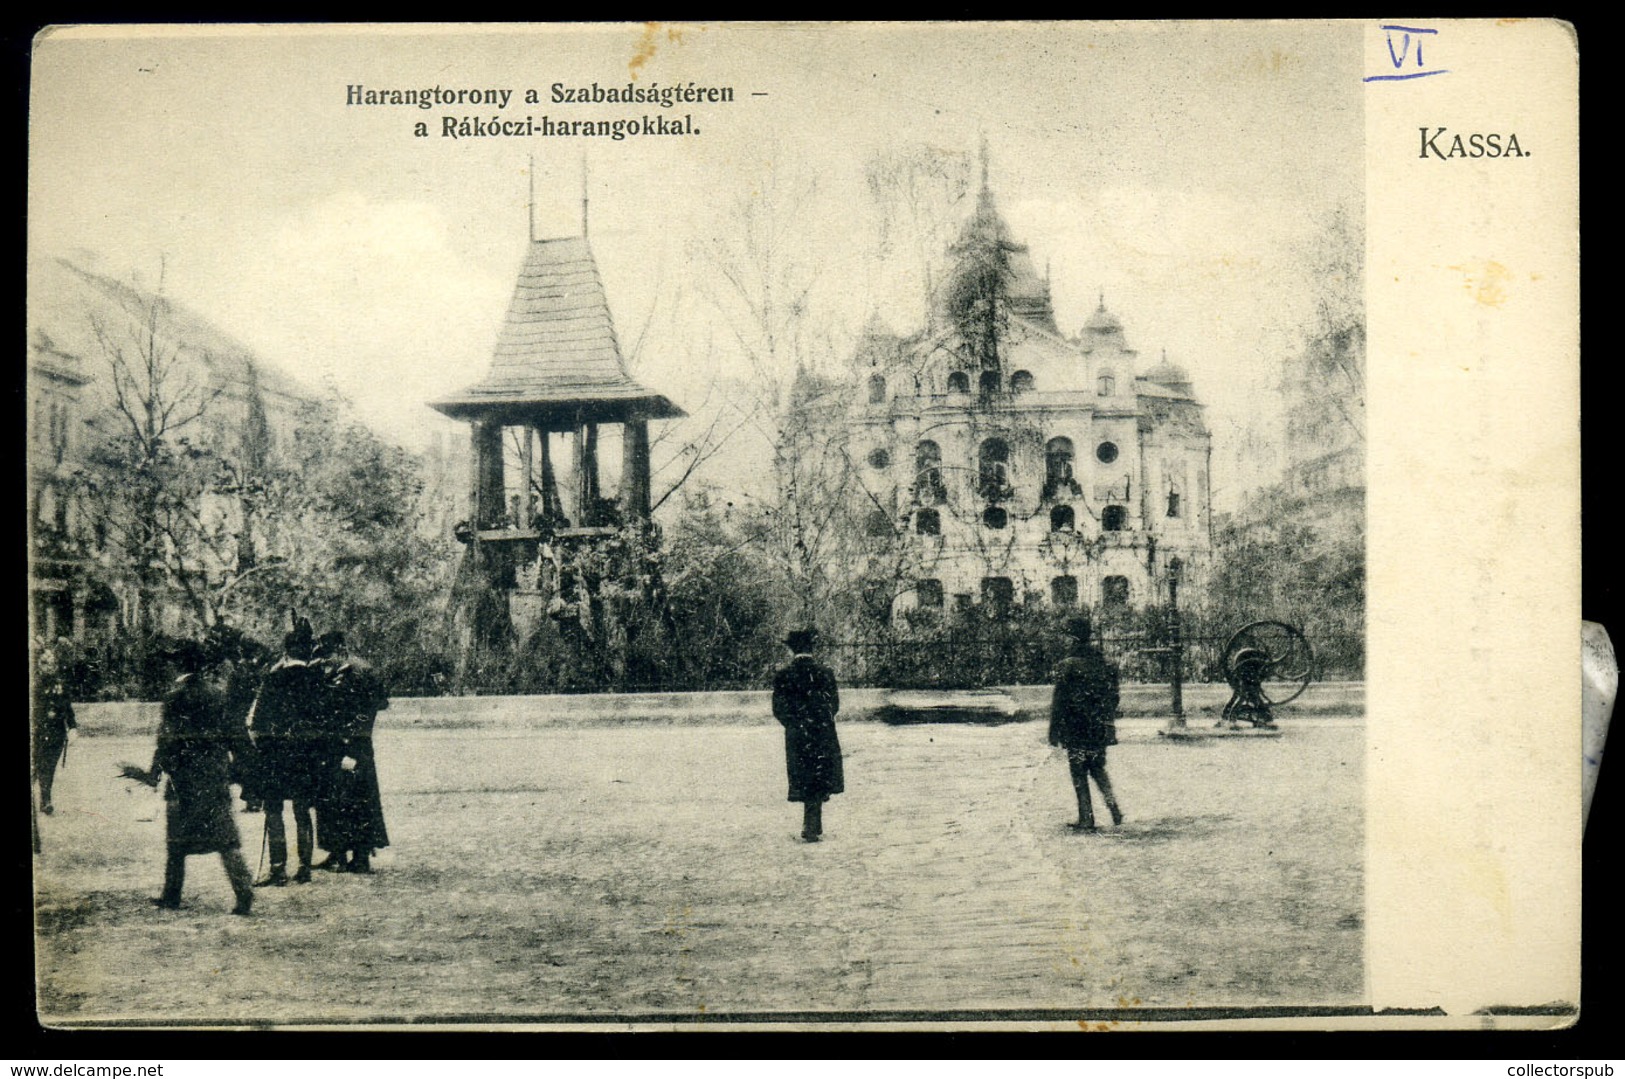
pixel 765 525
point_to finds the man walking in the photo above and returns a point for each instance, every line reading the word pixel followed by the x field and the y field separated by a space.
pixel 196 745
pixel 289 717
pixel 805 701
pixel 1082 715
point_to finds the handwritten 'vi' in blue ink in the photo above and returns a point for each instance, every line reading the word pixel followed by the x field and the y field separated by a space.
pixel 1409 36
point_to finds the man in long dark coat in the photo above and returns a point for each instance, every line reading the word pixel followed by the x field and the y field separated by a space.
pixel 805 701
pixel 291 743
pixel 53 719
pixel 350 816
pixel 1082 715
pixel 196 745
pixel 244 662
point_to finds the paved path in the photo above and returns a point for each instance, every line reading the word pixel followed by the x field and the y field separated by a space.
pixel 658 871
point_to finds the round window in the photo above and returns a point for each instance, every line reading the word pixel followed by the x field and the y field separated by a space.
pixel 1106 452
pixel 995 517
pixel 879 458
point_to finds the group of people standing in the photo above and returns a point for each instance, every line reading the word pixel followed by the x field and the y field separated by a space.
pixel 1083 714
pixel 297 731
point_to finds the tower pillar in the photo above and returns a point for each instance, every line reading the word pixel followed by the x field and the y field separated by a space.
pixel 635 469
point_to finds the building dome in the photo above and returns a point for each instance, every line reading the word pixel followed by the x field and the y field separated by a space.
pixel 1103 321
pixel 1103 329
pixel 1170 375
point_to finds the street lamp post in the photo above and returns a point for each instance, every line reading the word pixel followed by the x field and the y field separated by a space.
pixel 1176 642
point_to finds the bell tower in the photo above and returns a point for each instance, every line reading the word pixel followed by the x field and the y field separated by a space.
pixel 557 370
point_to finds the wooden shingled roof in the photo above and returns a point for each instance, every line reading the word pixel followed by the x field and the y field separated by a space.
pixel 557 360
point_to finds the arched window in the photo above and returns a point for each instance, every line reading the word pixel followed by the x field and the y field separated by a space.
pixel 1114 592
pixel 1106 452
pixel 993 469
pixel 1021 382
pixel 877 389
pixel 958 382
pixel 878 523
pixel 1063 591
pixel 928 523
pixel 995 517
pixel 1105 385
pixel 928 593
pixel 879 458
pixel 1061 518
pixel 989 382
pixel 1173 502
pixel 928 486
pixel 1113 518
pixel 1058 468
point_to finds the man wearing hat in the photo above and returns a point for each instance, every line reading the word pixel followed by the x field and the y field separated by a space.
pixel 289 720
pixel 350 815
pixel 1081 720
pixel 195 749
pixel 805 700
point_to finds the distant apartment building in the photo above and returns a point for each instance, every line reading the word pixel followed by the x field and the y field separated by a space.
pixel 79 322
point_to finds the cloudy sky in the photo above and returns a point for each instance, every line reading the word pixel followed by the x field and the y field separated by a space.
pixel 1182 169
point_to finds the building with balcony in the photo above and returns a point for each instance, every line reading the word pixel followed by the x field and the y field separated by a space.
pixel 1017 463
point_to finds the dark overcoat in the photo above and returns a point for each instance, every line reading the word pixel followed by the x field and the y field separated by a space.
pixel 805 701
pixel 292 739
pixel 242 685
pixel 53 716
pixel 195 749
pixel 1084 707
pixel 350 815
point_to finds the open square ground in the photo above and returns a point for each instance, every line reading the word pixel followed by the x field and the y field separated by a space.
pixel 656 871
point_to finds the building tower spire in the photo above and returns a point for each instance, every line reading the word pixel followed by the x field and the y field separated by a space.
pixel 985 185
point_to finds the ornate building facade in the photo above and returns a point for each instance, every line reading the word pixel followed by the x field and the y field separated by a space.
pixel 1018 464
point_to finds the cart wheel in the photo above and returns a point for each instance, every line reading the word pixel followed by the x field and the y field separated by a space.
pixel 1289 664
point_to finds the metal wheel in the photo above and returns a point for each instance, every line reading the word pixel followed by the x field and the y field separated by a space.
pixel 1290 660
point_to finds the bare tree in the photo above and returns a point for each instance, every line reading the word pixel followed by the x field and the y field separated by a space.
pixel 686 446
pixel 761 286
pixel 763 283
pixel 682 449
pixel 149 470
pixel 1333 361
pixel 920 192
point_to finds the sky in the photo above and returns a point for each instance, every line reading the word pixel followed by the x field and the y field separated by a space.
pixel 1181 170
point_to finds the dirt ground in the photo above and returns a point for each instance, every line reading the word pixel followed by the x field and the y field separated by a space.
pixel 657 871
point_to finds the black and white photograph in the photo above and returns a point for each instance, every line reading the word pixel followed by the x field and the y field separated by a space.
pixel 759 525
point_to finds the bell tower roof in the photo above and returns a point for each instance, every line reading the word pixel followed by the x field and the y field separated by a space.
pixel 557 356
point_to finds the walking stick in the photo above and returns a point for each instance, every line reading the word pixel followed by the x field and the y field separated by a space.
pixel 265 841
